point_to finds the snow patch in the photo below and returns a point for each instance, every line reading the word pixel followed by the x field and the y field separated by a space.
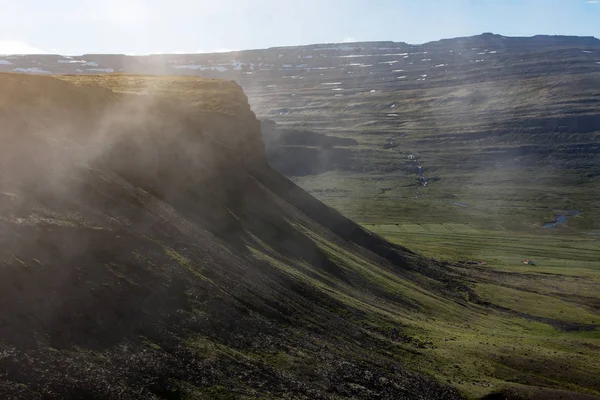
pixel 401 77
pixel 373 55
pixel 360 65
pixel 585 51
pixel 440 65
pixel 5 62
pixel 331 83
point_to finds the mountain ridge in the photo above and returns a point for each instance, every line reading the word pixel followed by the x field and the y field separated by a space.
pixel 547 39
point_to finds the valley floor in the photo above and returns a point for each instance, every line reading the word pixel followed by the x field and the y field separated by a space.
pixel 539 325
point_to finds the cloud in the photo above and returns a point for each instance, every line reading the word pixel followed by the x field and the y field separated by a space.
pixel 592 1
pixel 17 47
pixel 349 40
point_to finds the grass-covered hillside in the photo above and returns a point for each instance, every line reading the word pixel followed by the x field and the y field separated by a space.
pixel 147 250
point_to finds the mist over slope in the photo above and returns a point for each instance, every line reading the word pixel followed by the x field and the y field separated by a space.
pixel 505 125
pixel 149 251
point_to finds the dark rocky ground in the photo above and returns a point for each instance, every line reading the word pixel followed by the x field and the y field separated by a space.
pixel 149 251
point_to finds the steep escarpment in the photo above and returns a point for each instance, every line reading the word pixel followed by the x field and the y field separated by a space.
pixel 147 250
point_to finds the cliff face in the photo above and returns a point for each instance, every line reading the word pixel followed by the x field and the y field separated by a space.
pixel 147 250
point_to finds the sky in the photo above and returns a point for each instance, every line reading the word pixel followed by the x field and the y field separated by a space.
pixel 75 27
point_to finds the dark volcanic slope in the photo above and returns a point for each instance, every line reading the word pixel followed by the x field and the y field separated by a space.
pixel 148 251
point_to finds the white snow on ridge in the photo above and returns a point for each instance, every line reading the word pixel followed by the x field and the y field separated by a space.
pixel 373 55
pixel 5 62
pixel 331 83
pixel 361 65
pixel 440 65
pixel 91 64
pixel 389 62
pixel 32 70
pixel 401 77
pixel 358 55
pixel 398 70
pixel 586 51
pixel 338 89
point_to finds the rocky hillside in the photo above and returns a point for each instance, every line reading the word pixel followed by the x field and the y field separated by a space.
pixel 148 251
pixel 506 125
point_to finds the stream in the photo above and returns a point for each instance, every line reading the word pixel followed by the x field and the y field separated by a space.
pixel 561 218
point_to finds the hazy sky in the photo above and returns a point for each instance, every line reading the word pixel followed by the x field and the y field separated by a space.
pixel 156 26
